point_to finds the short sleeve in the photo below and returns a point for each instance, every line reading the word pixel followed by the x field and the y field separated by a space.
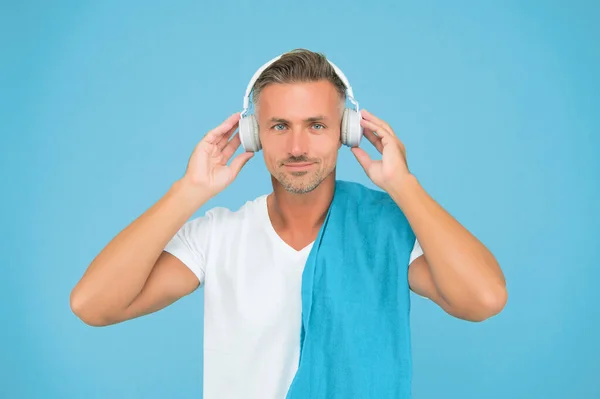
pixel 416 252
pixel 189 245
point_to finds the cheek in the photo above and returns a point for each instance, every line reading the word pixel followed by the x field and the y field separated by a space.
pixel 273 155
pixel 272 144
pixel 270 160
pixel 328 153
pixel 330 141
pixel 326 142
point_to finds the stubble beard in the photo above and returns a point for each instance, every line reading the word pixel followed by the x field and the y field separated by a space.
pixel 300 182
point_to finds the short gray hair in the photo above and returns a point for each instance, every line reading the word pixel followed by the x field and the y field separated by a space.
pixel 298 66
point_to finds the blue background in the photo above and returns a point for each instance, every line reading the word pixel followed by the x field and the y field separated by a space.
pixel 102 103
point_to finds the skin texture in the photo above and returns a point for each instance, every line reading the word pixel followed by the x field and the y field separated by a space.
pixel 300 124
pixel 300 133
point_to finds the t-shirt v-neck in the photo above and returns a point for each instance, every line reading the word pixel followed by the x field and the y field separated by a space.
pixel 264 209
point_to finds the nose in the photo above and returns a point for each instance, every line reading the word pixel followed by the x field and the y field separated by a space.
pixel 299 142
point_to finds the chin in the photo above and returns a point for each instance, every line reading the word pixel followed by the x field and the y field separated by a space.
pixel 298 184
pixel 297 189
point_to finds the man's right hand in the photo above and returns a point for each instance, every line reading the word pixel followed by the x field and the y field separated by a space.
pixel 207 169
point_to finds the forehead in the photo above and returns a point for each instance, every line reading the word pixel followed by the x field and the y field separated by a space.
pixel 297 100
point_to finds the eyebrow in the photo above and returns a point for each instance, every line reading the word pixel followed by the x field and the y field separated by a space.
pixel 311 119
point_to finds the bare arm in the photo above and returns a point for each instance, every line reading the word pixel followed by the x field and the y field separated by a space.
pixel 457 271
pixel 133 276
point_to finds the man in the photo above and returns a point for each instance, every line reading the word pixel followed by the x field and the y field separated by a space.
pixel 250 261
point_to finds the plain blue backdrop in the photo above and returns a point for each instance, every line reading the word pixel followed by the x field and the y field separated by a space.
pixel 101 104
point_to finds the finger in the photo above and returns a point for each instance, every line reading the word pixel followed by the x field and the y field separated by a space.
pixel 231 147
pixel 374 139
pixel 238 162
pixel 378 129
pixel 215 134
pixel 362 157
pixel 225 138
pixel 369 116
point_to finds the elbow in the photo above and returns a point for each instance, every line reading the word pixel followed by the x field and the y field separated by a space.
pixel 497 301
pixel 84 312
pixel 490 304
pixel 481 307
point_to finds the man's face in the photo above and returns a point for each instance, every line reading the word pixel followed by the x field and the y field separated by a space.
pixel 299 127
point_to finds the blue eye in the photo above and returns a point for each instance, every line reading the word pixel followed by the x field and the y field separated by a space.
pixel 279 124
pixel 318 124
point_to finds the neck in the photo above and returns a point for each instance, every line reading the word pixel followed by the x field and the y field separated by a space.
pixel 300 212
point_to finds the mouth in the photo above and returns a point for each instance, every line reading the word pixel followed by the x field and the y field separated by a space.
pixel 298 165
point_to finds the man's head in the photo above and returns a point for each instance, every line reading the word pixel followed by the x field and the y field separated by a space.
pixel 299 102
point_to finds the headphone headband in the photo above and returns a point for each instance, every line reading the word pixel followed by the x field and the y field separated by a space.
pixel 260 70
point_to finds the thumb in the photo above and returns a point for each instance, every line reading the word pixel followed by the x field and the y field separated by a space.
pixel 362 157
pixel 239 161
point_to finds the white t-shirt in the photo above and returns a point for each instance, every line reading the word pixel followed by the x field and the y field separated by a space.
pixel 252 300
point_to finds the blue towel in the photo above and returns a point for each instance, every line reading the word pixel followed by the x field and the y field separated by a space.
pixel 355 336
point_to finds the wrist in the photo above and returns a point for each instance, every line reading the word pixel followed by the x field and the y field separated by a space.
pixel 190 195
pixel 403 189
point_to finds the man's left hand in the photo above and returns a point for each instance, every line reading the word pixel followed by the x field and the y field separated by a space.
pixel 392 169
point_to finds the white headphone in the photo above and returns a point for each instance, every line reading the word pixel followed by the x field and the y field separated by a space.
pixel 352 131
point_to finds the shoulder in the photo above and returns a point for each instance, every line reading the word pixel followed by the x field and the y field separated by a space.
pixel 364 195
pixel 373 203
pixel 220 216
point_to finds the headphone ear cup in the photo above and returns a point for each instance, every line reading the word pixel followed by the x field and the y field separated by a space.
pixel 352 131
pixel 345 127
pixel 249 134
